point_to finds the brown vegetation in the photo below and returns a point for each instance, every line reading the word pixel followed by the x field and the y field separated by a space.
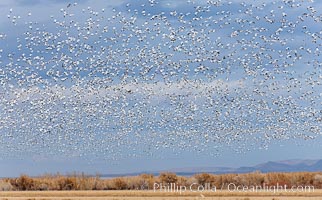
pixel 146 181
pixel 151 195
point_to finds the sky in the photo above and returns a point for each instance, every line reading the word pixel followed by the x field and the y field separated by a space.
pixel 129 86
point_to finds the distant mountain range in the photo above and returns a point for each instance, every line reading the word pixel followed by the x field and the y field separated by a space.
pixel 277 166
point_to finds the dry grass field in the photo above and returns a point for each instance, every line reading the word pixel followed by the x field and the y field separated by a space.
pixel 151 195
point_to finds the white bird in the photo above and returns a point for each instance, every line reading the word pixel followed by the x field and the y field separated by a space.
pixel 190 78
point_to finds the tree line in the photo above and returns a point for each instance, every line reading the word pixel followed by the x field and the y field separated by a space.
pixel 146 181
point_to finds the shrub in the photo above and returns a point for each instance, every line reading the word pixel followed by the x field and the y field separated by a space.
pixel 85 182
pixel 182 181
pixel 119 184
pixel 168 177
pixel 24 182
pixel 204 178
pixel 42 187
pixel 147 182
pixel 5 186
pixel 67 183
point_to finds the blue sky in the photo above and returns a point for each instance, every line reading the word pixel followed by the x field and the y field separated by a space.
pixel 130 86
